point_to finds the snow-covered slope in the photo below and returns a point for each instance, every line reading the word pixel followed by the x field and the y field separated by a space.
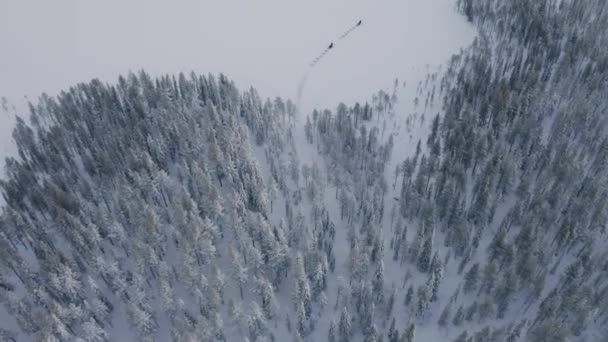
pixel 465 199
pixel 267 44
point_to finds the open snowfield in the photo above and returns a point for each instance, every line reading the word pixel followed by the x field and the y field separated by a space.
pixel 49 46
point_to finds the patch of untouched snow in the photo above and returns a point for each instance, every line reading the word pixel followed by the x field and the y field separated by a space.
pixel 266 44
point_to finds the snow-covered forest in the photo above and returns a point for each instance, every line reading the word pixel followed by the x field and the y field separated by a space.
pixel 471 206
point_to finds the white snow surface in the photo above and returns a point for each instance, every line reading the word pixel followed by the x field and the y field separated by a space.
pixel 267 44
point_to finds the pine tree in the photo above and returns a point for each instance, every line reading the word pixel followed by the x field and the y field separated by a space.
pixel 372 335
pixel 332 333
pixel 390 303
pixel 409 334
pixel 393 333
pixel 319 277
pixel 93 332
pixel 422 304
pixel 485 310
pixel 302 327
pixel 437 274
pixel 345 327
pixel 424 259
pixel 256 323
pixel 484 335
pixel 445 315
pixel 515 335
pixel 504 292
pixel 239 272
pixel 471 311
pixel 549 330
pixel 470 279
pixel 378 283
pixel 266 292
pixel 489 278
pixel 308 129
pixel 462 337
pixel 409 296
pixel 548 308
pixel 458 316
pixel 234 310
pixel 7 335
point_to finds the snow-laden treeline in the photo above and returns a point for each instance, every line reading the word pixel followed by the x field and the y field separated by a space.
pixel 132 205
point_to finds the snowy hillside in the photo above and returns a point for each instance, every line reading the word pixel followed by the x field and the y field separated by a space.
pixel 267 44
pixel 463 201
